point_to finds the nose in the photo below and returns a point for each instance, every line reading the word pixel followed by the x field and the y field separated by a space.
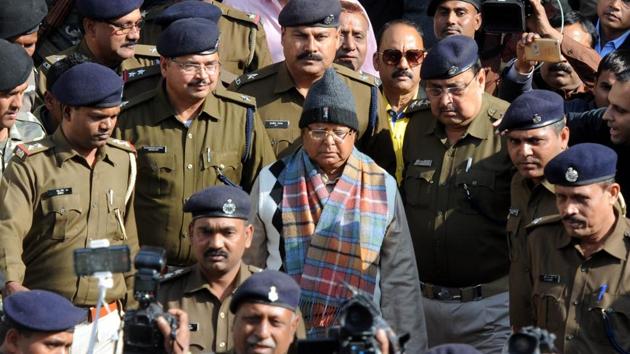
pixel 445 98
pixel 452 17
pixel 526 150
pixel 16 101
pixel 134 34
pixel 310 46
pixel 349 43
pixel 215 241
pixel 262 330
pixel 608 115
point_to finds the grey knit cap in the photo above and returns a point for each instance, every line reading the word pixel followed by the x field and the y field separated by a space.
pixel 329 100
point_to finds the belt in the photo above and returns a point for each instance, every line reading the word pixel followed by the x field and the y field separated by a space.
pixel 465 294
pixel 105 309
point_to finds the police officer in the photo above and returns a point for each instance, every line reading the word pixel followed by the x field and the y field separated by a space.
pixel 190 133
pixel 243 47
pixel 272 298
pixel 19 24
pixel 456 191
pixel 111 33
pixel 577 264
pixel 38 322
pixel 63 191
pixel 15 126
pixel 310 38
pixel 219 233
pixel 536 132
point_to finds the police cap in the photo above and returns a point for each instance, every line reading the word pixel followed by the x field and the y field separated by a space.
pixel 19 17
pixel 433 5
pixel 220 202
pixel 106 9
pixel 188 9
pixel 582 164
pixel 89 85
pixel 189 36
pixel 314 13
pixel 268 287
pixel 42 311
pixel 533 109
pixel 450 57
pixel 16 63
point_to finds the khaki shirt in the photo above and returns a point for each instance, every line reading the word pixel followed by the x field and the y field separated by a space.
pixel 565 289
pixel 174 161
pixel 146 55
pixel 52 202
pixel 457 198
pixel 242 45
pixel 280 104
pixel 210 318
pixel 26 129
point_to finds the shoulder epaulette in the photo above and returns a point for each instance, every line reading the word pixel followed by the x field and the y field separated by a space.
pixel 32 148
pixel 121 144
pixel 253 269
pixel 136 100
pixel 146 50
pixel 421 104
pixel 257 75
pixel 238 14
pixel 495 114
pixel 237 97
pixel 51 59
pixel 141 73
pixel 176 274
pixel 544 220
pixel 358 76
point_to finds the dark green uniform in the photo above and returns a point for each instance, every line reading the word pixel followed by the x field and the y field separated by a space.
pixel 175 161
pixel 210 318
pixel 280 104
pixel 457 198
pixel 52 202
pixel 243 46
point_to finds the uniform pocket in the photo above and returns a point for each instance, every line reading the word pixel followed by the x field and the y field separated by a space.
pixel 156 172
pixel 549 306
pixel 227 163
pixel 476 191
pixel 617 311
pixel 418 186
pixel 66 211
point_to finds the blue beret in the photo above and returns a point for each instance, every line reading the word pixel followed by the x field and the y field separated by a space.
pixel 106 9
pixel 90 85
pixel 450 57
pixel 315 13
pixel 533 109
pixel 582 164
pixel 329 100
pixel 16 63
pixel 435 3
pixel 268 287
pixel 219 201
pixel 42 311
pixel 454 349
pixel 188 9
pixel 189 36
pixel 19 17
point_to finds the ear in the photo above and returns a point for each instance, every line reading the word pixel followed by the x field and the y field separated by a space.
pixel 11 341
pixel 89 27
pixel 481 78
pixel 66 112
pixel 249 234
pixel 163 65
pixel 478 21
pixel 339 40
pixel 49 100
pixel 613 190
pixel 375 61
pixel 191 228
pixel 564 137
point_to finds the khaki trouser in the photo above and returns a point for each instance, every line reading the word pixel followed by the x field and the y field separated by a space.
pixel 484 324
pixel 108 332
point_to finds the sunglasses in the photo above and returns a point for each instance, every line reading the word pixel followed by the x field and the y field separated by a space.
pixel 394 56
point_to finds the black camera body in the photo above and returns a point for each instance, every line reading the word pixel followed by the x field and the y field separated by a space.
pixel 141 332
pixel 530 340
pixel 505 16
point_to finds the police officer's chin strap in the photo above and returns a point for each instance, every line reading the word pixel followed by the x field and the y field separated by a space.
pixel 105 281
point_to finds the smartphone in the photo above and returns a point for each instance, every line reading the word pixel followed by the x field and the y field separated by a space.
pixel 88 261
pixel 543 49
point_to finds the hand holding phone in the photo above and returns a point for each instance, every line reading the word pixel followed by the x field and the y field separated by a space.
pixel 543 49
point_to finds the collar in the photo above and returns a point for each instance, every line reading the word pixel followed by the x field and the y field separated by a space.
pixel 480 126
pixel 616 43
pixel 397 115
pixel 163 109
pixel 197 281
pixel 65 152
pixel 85 50
pixel 614 245
pixel 284 82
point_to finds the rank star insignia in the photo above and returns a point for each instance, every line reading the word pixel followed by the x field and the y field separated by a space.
pixel 273 294
pixel 571 175
pixel 245 98
pixel 229 207
pixel 141 71
pixel 329 19
pixel 251 76
pixel 132 74
pixel 536 119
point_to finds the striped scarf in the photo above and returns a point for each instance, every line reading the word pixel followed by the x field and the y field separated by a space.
pixel 332 238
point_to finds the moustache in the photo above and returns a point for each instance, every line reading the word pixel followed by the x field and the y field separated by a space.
pixel 254 340
pixel 214 253
pixel 561 67
pixel 402 72
pixel 130 43
pixel 310 56
pixel 573 219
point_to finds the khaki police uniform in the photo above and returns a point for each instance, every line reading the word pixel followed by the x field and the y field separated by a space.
pixel 145 55
pixel 280 104
pixel 52 202
pixel 243 45
pixel 25 129
pixel 569 294
pixel 175 161
pixel 209 318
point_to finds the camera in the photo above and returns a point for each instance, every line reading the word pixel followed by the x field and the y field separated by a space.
pixel 141 332
pixel 504 16
pixel 530 340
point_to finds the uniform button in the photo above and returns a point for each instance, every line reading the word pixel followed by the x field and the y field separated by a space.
pixel 222 166
pixel 189 166
pixel 222 315
pixel 583 269
pixel 570 337
pixel 189 135
pixel 93 205
pixel 575 303
pixel 63 210
pixel 222 344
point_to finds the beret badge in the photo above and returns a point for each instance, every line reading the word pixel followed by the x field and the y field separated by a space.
pixel 329 19
pixel 453 70
pixel 229 207
pixel 571 175
pixel 273 294
pixel 536 119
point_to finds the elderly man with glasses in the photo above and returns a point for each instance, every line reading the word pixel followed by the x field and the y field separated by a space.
pixel 456 188
pixel 330 217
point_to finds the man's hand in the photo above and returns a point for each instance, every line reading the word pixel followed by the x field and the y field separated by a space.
pixel 539 23
pixel 13 287
pixel 383 341
pixel 521 65
pixel 178 345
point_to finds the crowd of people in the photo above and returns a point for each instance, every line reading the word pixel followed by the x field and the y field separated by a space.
pixel 290 154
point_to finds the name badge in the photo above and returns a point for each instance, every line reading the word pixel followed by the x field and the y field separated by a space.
pixel 193 327
pixel 277 124
pixel 154 149
pixel 58 191
pixel 550 278
pixel 423 163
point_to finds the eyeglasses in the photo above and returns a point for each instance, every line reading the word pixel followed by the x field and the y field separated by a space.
pixel 338 135
pixel 126 28
pixel 453 90
pixel 196 68
pixel 394 56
